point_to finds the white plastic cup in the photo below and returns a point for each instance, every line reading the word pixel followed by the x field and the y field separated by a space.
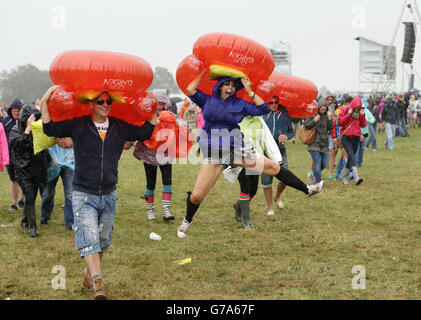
pixel 154 236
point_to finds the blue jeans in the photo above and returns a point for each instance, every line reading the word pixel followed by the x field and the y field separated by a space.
pixel 268 180
pixel 94 221
pixel 372 140
pixel 351 146
pixel 390 135
pixel 360 152
pixel 47 203
pixel 403 131
pixel 320 162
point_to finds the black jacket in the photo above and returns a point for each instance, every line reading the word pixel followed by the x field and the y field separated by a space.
pixel 27 166
pixel 96 162
pixel 402 109
pixel 390 114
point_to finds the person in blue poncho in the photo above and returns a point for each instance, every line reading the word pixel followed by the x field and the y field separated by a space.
pixel 222 145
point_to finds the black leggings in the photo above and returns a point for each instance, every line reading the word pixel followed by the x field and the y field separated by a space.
pixel 248 183
pixel 30 189
pixel 151 171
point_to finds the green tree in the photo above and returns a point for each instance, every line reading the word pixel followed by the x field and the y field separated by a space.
pixel 163 79
pixel 27 83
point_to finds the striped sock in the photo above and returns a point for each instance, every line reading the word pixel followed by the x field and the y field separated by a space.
pixel 244 196
pixel 149 203
pixel 166 203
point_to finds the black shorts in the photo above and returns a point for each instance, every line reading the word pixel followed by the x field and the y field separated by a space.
pixel 11 171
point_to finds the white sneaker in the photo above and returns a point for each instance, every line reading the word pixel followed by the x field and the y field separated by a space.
pixel 183 229
pixel 280 204
pixel 168 216
pixel 314 189
pixel 151 216
pixel 271 213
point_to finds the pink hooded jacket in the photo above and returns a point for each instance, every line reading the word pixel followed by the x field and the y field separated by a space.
pixel 345 119
pixel 4 149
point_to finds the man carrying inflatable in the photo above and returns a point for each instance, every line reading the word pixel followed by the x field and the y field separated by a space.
pixel 98 143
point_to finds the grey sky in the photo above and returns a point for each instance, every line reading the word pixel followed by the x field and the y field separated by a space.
pixel 163 32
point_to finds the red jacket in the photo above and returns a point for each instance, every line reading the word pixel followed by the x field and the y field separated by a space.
pixel 345 119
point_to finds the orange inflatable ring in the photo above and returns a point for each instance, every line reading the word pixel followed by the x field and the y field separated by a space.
pixel 236 53
pixel 83 75
pixel 84 70
pixel 293 91
pixel 139 108
pixel 170 137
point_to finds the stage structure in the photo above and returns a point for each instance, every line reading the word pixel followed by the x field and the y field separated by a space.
pixel 377 76
pixel 281 52
pixel 377 65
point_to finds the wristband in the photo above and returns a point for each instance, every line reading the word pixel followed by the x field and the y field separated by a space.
pixel 252 95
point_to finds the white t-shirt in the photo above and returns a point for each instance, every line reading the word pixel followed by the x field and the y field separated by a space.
pixel 102 128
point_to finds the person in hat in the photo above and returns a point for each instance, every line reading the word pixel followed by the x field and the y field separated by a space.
pixel 222 145
pixel 8 123
pixel 98 142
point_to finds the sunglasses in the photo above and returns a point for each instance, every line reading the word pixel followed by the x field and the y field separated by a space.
pixel 101 102
pixel 273 102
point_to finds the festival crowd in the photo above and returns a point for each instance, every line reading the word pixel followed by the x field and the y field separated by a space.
pixel 87 151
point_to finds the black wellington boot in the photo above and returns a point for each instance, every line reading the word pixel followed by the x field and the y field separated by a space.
pixel 32 218
pixel 24 223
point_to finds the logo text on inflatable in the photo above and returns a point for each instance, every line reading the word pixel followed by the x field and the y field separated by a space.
pixel 240 58
pixel 117 83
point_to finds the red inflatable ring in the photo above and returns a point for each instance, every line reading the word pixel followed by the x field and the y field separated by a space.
pixel 83 70
pixel 235 52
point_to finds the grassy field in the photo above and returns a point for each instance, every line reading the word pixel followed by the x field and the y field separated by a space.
pixel 307 251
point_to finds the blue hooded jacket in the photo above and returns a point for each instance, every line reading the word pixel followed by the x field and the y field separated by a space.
pixel 225 114
pixel 279 123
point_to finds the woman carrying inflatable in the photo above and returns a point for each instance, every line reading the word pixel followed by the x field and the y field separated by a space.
pixel 221 141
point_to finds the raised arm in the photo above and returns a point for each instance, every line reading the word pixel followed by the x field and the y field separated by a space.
pixel 45 115
pixel 192 87
pixel 256 99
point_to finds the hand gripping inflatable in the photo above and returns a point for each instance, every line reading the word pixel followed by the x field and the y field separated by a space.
pixel 221 55
pixel 170 137
pixel 83 75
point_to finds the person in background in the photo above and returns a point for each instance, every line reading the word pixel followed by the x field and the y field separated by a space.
pixel 8 123
pixel 364 131
pixel 62 165
pixel 402 108
pixel 30 169
pixel 279 123
pixel 413 104
pixel 390 118
pixel 372 127
pixel 344 156
pixel 332 105
pixel 152 161
pixel 381 107
pixel 3 113
pixel 255 131
pixel 319 149
pixel 351 120
pixel 4 149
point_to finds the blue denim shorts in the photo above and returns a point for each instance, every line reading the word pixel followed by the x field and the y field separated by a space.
pixel 331 143
pixel 93 221
pixel 268 180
